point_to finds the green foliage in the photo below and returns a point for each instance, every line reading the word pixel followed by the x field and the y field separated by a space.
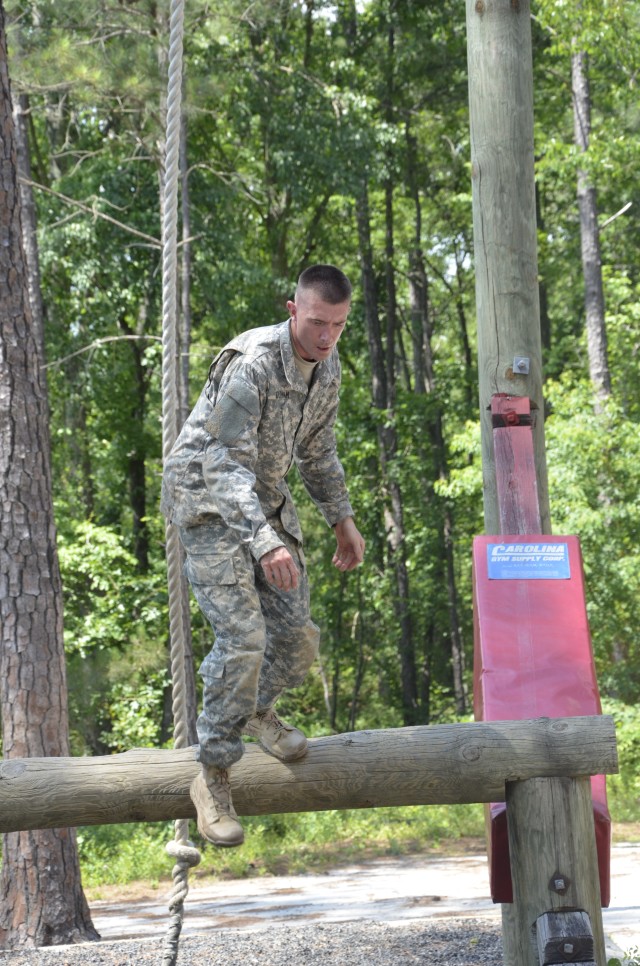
pixel 623 789
pixel 101 588
pixel 135 709
pixel 630 958
pixel 286 121
pixel 593 459
pixel 123 853
pixel 115 638
pixel 278 844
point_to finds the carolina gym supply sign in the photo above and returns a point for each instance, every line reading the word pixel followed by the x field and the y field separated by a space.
pixel 528 561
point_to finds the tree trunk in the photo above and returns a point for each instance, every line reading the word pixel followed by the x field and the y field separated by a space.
pixel 387 432
pixel 338 635
pixel 590 236
pixel 136 469
pixel 29 218
pixel 358 632
pixel 424 382
pixel 455 621
pixel 41 898
pixel 418 281
pixel 387 443
pixel 368 281
pixel 545 321
pixel 395 519
pixel 465 342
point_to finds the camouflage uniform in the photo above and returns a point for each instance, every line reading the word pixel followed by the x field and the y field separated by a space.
pixel 224 487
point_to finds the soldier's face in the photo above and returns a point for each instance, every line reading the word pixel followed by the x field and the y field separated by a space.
pixel 316 325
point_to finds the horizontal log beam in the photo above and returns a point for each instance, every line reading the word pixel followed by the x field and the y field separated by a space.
pixel 436 764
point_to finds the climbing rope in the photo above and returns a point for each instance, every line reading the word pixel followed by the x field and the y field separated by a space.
pixel 185 854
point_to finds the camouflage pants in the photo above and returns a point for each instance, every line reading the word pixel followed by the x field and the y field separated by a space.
pixel 265 640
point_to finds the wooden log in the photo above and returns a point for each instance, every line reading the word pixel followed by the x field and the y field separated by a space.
pixel 554 865
pixel 564 937
pixel 439 764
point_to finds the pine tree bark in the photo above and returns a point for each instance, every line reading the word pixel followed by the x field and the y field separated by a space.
pixel 41 898
pixel 29 219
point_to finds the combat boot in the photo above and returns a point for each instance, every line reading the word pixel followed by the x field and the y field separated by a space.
pixel 217 820
pixel 278 738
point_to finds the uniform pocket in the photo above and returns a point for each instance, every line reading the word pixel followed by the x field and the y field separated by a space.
pixel 206 569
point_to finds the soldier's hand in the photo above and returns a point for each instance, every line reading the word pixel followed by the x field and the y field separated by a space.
pixel 280 569
pixel 350 550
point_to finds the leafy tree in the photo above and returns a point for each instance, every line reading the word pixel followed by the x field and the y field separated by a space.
pixel 313 133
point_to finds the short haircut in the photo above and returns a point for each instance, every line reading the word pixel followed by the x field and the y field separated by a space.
pixel 331 284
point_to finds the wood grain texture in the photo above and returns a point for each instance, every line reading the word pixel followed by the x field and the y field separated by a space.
pixel 564 937
pixel 439 764
pixel 517 486
pixel 504 225
pixel 554 865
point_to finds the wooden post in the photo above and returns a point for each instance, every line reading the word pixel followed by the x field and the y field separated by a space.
pixel 504 226
pixel 553 864
pixel 510 362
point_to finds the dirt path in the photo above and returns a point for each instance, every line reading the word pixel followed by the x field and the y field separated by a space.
pixel 391 890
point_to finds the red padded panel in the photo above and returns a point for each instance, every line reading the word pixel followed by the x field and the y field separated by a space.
pixel 533 658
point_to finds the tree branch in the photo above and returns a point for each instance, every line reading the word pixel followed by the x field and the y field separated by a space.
pixel 99 342
pixel 156 243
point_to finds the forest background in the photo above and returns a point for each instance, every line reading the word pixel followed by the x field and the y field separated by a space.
pixel 319 131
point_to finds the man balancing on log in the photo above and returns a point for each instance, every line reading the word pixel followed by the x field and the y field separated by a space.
pixel 271 399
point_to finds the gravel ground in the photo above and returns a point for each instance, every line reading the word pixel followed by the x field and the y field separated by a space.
pixel 454 942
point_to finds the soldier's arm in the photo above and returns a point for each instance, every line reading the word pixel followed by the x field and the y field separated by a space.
pixel 321 470
pixel 230 457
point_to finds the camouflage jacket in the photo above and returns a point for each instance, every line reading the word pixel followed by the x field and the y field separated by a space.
pixel 255 417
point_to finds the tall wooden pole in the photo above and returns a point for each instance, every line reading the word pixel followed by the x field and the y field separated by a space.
pixel 554 865
pixel 504 226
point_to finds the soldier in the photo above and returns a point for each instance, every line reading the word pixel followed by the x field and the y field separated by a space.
pixel 271 400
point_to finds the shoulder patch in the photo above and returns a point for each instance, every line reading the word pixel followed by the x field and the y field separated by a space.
pixel 236 407
pixel 244 393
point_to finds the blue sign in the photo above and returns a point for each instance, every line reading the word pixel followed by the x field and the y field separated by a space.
pixel 528 561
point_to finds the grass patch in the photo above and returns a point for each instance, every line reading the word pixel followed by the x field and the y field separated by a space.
pixel 113 855
pixel 131 860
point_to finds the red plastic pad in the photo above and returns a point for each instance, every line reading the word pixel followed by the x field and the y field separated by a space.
pixel 533 658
